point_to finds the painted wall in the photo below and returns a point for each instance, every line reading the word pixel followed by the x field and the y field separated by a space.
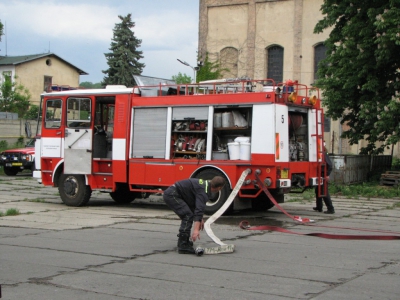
pixel 31 75
pixel 251 26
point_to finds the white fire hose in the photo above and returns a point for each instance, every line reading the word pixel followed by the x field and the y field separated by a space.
pixel 222 248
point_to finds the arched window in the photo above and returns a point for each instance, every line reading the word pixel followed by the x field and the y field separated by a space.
pixel 319 54
pixel 229 57
pixel 275 63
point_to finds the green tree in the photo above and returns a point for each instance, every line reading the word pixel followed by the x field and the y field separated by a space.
pixel 90 85
pixel 209 70
pixel 182 78
pixel 32 112
pixel 123 60
pixel 14 97
pixel 360 75
pixel 1 30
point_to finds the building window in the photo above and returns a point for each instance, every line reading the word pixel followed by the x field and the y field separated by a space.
pixel 275 63
pixel 47 83
pixel 229 62
pixel 319 54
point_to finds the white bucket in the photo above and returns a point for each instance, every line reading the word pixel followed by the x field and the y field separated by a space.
pixel 269 88
pixel 244 151
pixel 227 119
pixel 234 149
pixel 241 139
pixel 217 120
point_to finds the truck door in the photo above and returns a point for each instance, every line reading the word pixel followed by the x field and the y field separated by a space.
pixel 52 131
pixel 78 136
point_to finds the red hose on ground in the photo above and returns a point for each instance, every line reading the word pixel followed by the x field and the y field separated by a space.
pixel 305 221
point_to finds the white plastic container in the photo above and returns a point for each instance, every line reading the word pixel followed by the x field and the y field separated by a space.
pixel 243 139
pixel 267 88
pixel 234 150
pixel 244 151
pixel 227 119
pixel 217 120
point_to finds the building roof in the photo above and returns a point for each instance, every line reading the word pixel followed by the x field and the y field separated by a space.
pixel 17 60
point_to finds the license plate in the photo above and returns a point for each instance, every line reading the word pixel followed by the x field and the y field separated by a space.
pixel 285 174
pixel 16 164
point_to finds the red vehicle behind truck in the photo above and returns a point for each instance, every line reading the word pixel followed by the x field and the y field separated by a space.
pixel 17 160
pixel 133 141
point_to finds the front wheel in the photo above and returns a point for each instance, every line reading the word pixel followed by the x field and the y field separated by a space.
pixel 11 171
pixel 73 190
pixel 218 199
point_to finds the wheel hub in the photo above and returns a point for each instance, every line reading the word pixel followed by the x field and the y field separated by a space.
pixel 70 187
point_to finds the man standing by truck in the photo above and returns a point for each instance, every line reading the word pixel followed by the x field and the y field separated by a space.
pixel 327 197
pixel 188 198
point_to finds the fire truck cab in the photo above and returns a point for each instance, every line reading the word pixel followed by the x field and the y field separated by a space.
pixel 131 142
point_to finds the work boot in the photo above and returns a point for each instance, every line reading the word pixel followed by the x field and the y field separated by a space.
pixel 189 241
pixel 329 211
pixel 184 245
pixel 317 209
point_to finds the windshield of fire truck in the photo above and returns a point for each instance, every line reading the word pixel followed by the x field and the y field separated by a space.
pixel 152 86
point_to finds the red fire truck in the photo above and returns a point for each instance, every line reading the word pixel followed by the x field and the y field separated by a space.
pixel 131 142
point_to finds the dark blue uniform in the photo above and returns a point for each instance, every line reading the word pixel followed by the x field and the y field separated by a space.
pixel 188 198
pixel 327 198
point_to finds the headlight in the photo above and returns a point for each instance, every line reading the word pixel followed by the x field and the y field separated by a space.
pixel 26 157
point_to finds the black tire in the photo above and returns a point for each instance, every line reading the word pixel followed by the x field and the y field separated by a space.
pixel 263 203
pixel 123 195
pixel 73 190
pixel 219 198
pixel 11 171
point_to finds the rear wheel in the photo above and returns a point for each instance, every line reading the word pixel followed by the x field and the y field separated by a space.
pixel 11 171
pixel 122 194
pixel 73 190
pixel 217 199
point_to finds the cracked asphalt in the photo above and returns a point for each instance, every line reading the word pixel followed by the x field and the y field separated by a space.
pixel 108 251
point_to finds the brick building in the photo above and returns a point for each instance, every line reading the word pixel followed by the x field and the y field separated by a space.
pixel 269 39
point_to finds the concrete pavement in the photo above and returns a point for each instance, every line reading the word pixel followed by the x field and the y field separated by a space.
pixel 109 251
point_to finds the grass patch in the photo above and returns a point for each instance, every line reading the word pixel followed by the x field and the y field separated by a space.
pixel 10 212
pixel 365 189
pixel 355 191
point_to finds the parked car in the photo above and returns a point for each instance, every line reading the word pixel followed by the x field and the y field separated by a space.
pixel 17 160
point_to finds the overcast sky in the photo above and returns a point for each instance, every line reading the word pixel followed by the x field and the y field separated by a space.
pixel 80 32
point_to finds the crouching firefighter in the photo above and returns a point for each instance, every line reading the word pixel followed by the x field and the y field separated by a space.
pixel 188 198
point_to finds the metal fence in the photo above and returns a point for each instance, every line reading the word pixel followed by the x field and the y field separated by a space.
pixel 7 115
pixel 349 169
